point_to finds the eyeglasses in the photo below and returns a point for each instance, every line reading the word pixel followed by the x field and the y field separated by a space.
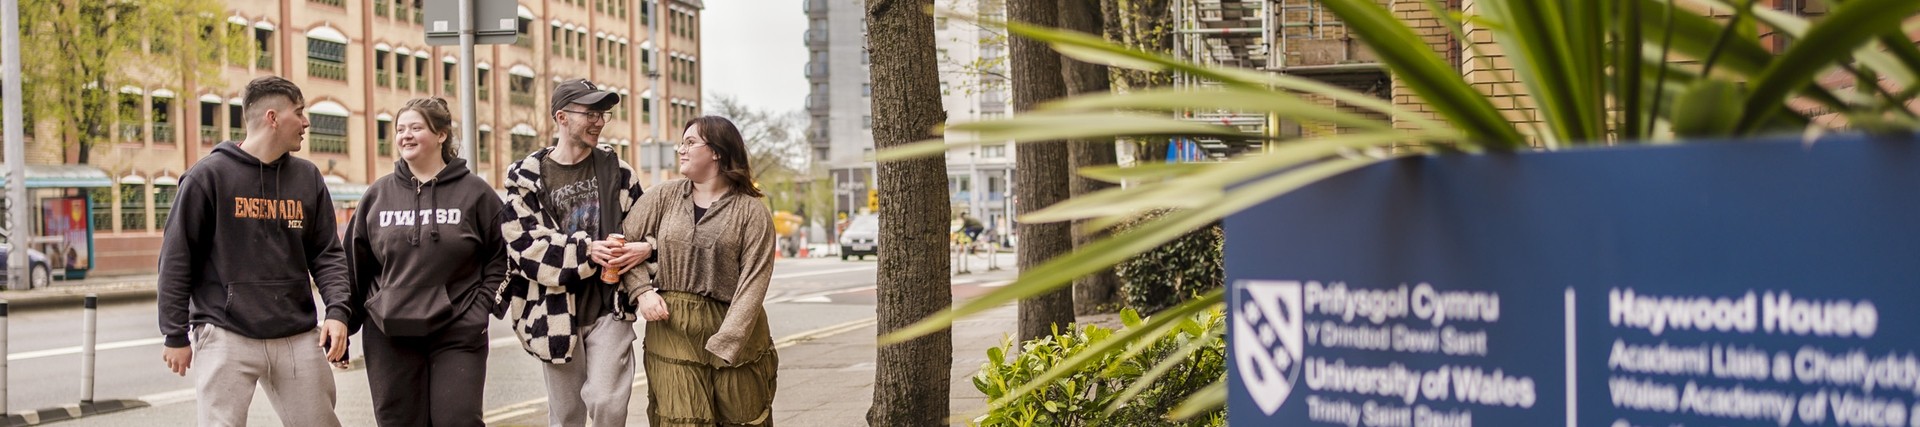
pixel 590 115
pixel 686 146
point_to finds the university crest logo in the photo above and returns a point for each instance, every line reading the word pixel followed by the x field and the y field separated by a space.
pixel 1267 339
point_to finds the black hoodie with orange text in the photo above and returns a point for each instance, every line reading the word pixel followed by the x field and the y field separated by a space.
pixel 245 246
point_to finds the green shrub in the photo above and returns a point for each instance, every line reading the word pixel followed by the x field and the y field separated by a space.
pixel 1083 397
pixel 1172 273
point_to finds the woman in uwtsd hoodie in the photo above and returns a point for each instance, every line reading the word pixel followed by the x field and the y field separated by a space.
pixel 427 260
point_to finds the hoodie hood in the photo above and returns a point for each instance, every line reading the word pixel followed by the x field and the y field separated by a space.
pixel 455 170
pixel 232 150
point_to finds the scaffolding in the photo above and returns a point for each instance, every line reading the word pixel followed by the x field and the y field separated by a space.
pixel 1297 37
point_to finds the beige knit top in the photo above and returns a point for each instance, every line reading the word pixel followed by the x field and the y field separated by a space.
pixel 727 256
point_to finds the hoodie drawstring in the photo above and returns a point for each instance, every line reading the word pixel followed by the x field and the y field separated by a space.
pixel 433 200
pixel 427 224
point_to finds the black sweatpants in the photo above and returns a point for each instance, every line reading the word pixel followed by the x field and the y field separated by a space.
pixel 432 380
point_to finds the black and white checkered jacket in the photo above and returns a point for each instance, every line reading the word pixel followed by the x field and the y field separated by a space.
pixel 542 261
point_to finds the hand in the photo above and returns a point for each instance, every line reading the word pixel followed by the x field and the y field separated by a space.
pixel 603 251
pixel 652 307
pixel 333 340
pixel 178 359
pixel 632 254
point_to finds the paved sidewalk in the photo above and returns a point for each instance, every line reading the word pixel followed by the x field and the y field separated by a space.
pixel 71 292
pixel 828 380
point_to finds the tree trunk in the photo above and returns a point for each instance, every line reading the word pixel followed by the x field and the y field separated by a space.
pixel 911 379
pixel 1040 167
pixel 1098 292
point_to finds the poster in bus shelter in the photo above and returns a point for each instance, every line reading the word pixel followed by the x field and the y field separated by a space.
pixel 67 219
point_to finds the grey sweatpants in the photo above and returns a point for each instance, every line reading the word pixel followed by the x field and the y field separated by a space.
pixel 293 370
pixel 599 380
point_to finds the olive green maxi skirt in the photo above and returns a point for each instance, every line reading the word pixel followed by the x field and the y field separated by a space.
pixel 689 386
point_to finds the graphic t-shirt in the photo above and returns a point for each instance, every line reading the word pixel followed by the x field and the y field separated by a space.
pixel 573 201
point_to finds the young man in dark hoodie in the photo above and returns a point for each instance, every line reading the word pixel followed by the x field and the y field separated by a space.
pixel 427 261
pixel 562 204
pixel 252 233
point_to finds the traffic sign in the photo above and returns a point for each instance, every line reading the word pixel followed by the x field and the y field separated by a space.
pixel 494 21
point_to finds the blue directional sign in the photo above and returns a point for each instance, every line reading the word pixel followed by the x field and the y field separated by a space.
pixel 1766 283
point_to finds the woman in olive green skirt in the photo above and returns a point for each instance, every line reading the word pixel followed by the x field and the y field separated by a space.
pixel 709 358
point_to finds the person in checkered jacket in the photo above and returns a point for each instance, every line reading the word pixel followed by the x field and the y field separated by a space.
pixel 562 204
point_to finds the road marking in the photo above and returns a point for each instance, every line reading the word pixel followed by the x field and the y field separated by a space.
pixel 63 351
pixel 168 398
pixel 821 273
pixel 818 297
pixel 532 406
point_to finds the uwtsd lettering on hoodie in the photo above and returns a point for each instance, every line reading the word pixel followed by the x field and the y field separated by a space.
pixel 290 211
pixel 423 216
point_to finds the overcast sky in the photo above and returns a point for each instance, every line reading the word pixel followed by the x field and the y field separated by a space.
pixel 753 50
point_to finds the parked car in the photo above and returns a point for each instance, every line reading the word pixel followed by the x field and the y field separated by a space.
pixel 861 238
pixel 39 273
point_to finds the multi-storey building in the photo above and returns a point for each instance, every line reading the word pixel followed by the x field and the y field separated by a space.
pixel 974 86
pixel 359 61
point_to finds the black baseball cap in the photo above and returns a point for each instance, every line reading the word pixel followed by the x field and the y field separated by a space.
pixel 583 92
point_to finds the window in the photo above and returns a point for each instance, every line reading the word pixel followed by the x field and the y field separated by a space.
pixel 483 83
pixel 866 121
pixel 381 75
pixel 940 23
pixel 132 117
pixel 383 134
pixel 554 38
pixel 524 28
pixel 866 89
pixel 646 59
pixel 163 120
pixel 621 54
pixel 483 146
pixel 263 45
pixel 236 123
pixel 159 45
pixel 580 40
pixel 520 90
pixel 326 59
pixel 209 122
pixel 163 203
pixel 133 207
pixel 646 12
pixel 329 133
pixel 102 199
pixel 235 56
pixel 993 152
pixel 646 110
pixel 524 145
pixel 448 76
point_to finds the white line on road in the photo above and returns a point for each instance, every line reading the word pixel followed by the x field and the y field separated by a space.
pixel 76 349
pixel 821 273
